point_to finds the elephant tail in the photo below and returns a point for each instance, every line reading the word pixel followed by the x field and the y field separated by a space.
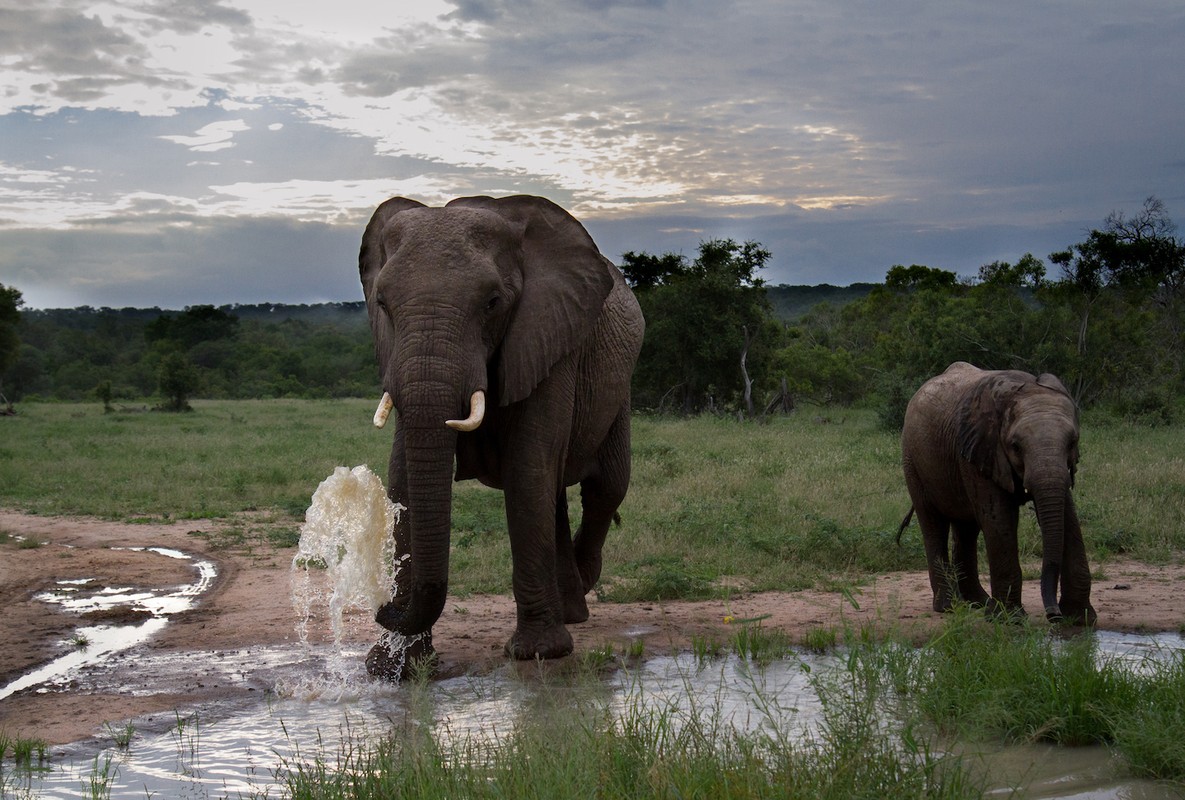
pixel 904 525
pixel 617 519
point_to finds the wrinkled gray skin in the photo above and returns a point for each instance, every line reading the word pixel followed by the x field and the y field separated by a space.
pixel 512 298
pixel 976 446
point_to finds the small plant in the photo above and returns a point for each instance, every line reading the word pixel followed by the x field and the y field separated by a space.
pixel 284 538
pixel 103 772
pixel 122 736
pixel 760 645
pixel 705 649
pixel 598 659
pixel 28 754
pixel 28 543
pixel 188 734
pixel 634 650
pixel 819 640
pixel 420 670
pixel 80 640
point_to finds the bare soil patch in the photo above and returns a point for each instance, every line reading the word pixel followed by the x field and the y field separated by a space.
pixel 250 606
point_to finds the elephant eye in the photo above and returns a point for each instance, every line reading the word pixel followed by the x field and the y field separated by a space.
pixel 492 303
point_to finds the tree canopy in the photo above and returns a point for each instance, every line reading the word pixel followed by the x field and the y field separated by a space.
pixel 701 317
pixel 10 317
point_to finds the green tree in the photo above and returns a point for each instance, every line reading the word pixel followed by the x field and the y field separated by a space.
pixel 195 324
pixel 1125 288
pixel 178 381
pixel 916 276
pixel 1027 273
pixel 708 326
pixel 645 271
pixel 10 344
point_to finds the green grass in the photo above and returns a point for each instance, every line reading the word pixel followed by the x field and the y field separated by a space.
pixel 715 506
pixel 1018 683
pixel 224 458
pixel 637 750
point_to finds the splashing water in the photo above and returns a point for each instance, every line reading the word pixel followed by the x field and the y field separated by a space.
pixel 346 560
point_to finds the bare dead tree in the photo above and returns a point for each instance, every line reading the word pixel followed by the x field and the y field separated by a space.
pixel 745 373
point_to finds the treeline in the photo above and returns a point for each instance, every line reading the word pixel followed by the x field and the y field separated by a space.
pixel 1107 315
pixel 234 352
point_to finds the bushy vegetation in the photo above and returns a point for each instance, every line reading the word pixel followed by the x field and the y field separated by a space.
pixel 122 356
pixel 1111 326
pixel 980 681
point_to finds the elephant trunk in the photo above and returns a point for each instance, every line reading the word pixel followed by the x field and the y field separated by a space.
pixel 429 447
pixel 1050 499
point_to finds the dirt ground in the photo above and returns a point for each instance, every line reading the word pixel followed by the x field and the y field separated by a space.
pixel 250 606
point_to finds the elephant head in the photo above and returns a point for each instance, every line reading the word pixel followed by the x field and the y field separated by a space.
pixel 470 305
pixel 1022 433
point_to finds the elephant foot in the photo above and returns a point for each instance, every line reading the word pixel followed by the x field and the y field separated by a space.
pixel 590 571
pixel 553 642
pixel 979 599
pixel 575 609
pixel 996 611
pixel 396 658
pixel 1078 614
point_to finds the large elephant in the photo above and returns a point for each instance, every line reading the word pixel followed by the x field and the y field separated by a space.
pixel 977 445
pixel 507 298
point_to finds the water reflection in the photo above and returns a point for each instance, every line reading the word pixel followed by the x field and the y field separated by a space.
pixel 227 751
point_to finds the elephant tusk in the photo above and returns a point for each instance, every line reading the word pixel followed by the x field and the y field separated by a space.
pixel 384 410
pixel 477 412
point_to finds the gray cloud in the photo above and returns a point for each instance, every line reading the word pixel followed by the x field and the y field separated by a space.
pixel 190 16
pixel 219 262
pixel 845 138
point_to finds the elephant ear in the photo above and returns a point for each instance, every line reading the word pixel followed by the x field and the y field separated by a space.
pixel 372 255
pixel 980 421
pixel 371 258
pixel 1051 381
pixel 565 281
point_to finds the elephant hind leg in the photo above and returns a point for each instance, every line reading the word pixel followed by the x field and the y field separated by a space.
pixel 966 563
pixel 601 495
pixel 944 580
pixel 568 579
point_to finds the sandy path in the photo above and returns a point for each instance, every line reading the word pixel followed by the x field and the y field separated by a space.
pixel 250 606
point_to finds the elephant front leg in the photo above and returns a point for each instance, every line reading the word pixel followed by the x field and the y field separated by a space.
pixel 1075 597
pixel 540 631
pixel 1000 541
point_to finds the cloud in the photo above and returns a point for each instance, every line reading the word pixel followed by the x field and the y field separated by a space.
pixel 845 138
pixel 212 137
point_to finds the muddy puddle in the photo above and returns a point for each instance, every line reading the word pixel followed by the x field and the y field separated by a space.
pixel 147 611
pixel 320 698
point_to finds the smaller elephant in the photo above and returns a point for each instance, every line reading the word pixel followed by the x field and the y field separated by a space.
pixel 976 446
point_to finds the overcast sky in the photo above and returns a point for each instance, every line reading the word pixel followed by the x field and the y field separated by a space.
pixel 178 152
